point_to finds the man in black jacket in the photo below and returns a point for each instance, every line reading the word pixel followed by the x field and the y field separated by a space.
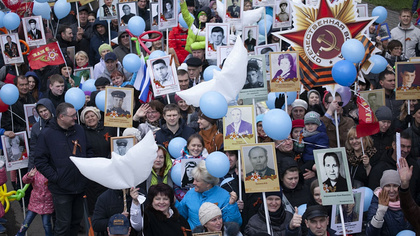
pixel 56 143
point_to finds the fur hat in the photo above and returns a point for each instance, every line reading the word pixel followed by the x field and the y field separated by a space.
pixel 86 110
pixel 207 212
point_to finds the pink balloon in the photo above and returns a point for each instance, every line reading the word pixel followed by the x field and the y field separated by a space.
pixel 345 94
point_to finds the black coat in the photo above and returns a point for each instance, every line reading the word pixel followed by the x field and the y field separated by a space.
pixel 153 226
pixel 18 116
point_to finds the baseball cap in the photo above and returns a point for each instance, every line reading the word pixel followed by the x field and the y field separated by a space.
pixel 110 56
pixel 118 224
pixel 314 211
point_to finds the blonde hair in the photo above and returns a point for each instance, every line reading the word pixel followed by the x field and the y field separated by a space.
pixel 200 172
pixel 367 140
pixel 81 54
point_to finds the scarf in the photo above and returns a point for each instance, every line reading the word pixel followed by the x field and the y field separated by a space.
pixel 356 160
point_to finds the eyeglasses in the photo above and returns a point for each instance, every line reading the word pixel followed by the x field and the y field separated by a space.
pixel 125 36
pixel 72 116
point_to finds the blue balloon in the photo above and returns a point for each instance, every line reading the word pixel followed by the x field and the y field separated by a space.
pixel 344 73
pixel 208 72
pixel 42 9
pixel 157 54
pixel 131 62
pixel 353 50
pixel 380 64
pixel 11 21
pixel 406 233
pixel 182 21
pixel 277 124
pixel 89 85
pixel 9 94
pixel 176 145
pixel 100 100
pixel 76 97
pixel 368 198
pixel 136 25
pixel 217 164
pixel 271 98
pixel 262 24
pixel 269 11
pixel 1 19
pixel 381 13
pixel 62 9
pixel 176 175
pixel 302 209
pixel 269 18
pixel 41 1
pixel 213 105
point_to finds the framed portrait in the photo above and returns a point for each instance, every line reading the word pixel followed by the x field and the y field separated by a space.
pixel 223 53
pixel 283 14
pixel 126 10
pixel 118 107
pixel 383 31
pixel 239 126
pixel 251 35
pixel 16 151
pixel 10 47
pixel 108 9
pixel 163 76
pixel 333 176
pixel 260 3
pixel 375 98
pixel 260 168
pixel 407 80
pixel 352 214
pixel 168 14
pixel 216 233
pixel 121 145
pixel 187 165
pixel 84 73
pixel 31 116
pixel 265 50
pixel 217 34
pixel 233 10
pixel 34 31
pixel 362 10
pixel 284 71
pixel 154 16
pixel 255 87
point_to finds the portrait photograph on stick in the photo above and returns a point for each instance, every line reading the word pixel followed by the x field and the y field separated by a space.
pixel 217 34
pixel 256 84
pixel 121 145
pixel 118 107
pixel 407 80
pixel 34 31
pixel 12 53
pixel 187 166
pixel 163 76
pixel 16 151
pixel 31 117
pixel 168 16
pixel 352 213
pixel 260 168
pixel 238 126
pixel 284 67
pixel 333 176
pixel 233 10
pixel 283 16
pixel 126 10
pixel 108 9
pixel 250 37
pixel 375 98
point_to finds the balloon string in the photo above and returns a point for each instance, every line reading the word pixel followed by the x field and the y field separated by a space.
pixel 13 113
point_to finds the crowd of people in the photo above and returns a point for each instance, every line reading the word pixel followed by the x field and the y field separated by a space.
pixel 204 204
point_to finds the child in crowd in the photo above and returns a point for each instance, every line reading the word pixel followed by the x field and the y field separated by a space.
pixel 314 136
pixel 40 202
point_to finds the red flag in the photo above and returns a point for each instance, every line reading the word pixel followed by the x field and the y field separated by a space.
pixel 49 54
pixel 368 124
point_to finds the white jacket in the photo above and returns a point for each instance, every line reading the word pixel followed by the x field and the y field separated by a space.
pixel 409 37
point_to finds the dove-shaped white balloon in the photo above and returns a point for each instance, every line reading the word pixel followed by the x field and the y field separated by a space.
pixel 228 82
pixel 121 172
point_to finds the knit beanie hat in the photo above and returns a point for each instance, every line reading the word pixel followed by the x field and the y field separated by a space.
pixel 279 193
pixel 300 103
pixel 312 117
pixel 390 177
pixel 207 212
pixel 104 46
pixel 298 124
pixel 86 110
pixel 383 113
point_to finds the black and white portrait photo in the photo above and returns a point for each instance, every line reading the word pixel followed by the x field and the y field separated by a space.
pixel 187 166
pixel 163 75
pixel 154 16
pixel 282 14
pixel 255 87
pixel 34 31
pixel 217 35
pixel 250 36
pixel 375 98
pixel 254 76
pixel 125 12
pixel 121 145
pixel 168 14
pixel 333 175
pixel 16 151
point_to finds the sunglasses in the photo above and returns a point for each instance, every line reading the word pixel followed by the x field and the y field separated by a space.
pixel 339 103
pixel 125 36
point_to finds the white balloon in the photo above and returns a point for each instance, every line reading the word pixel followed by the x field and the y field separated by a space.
pixel 229 81
pixel 121 172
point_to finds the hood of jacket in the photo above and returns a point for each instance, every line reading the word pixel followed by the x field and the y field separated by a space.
pixel 197 23
pixel 49 105
pixel 100 22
